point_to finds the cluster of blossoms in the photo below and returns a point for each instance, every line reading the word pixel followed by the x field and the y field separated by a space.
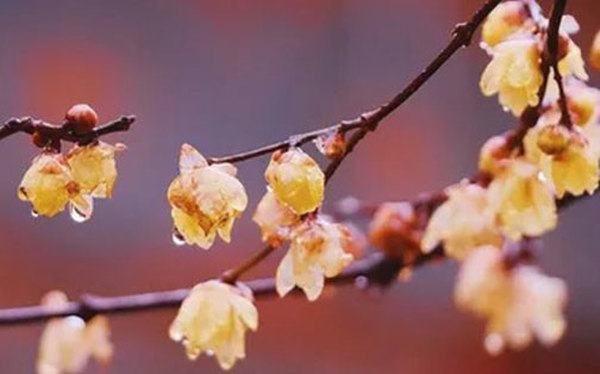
pixel 85 173
pixel 206 199
pixel 522 175
pixel 484 223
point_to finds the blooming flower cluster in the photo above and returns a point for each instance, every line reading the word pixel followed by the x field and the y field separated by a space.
pixel 85 173
pixel 554 152
pixel 207 198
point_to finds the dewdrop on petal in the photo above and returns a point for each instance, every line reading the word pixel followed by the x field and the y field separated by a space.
pixel 48 185
pixel 274 219
pixel 205 199
pixel 519 303
pixel 318 250
pixel 94 168
pixel 514 74
pixel 68 343
pixel 213 319
pixel 296 180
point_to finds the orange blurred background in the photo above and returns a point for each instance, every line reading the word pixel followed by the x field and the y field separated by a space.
pixel 227 76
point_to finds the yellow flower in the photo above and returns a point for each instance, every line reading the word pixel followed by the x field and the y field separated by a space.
pixel 494 150
pixel 274 219
pixel 514 74
pixel 213 319
pixel 319 249
pixel 584 102
pixel 523 203
pixel 505 20
pixel 572 63
pixel 296 180
pixel 68 343
pixel 49 186
pixel 462 223
pixel 205 200
pixel 519 303
pixel 94 168
pixel 595 52
pixel 566 158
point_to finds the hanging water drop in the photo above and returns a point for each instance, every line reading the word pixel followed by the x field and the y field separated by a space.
pixel 178 239
pixel 77 215
pixel 34 214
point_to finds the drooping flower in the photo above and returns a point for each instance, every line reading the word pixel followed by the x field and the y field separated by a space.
pixel 296 179
pixel 68 343
pixel 519 303
pixel 522 202
pixel 395 231
pixel 493 150
pixel 465 221
pixel 595 52
pixel 572 63
pixel 318 250
pixel 274 219
pixel 49 185
pixel 514 74
pixel 565 156
pixel 205 199
pixel 213 319
pixel 94 168
pixel 508 18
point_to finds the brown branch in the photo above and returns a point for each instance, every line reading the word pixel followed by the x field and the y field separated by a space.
pixel 29 125
pixel 232 275
pixel 462 35
pixel 553 46
pixel 377 269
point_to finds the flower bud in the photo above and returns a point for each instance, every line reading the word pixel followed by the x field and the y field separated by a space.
pixel 595 52
pixel 553 139
pixel 332 145
pixel 296 180
pixel 82 118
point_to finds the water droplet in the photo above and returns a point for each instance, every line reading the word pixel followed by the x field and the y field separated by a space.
pixel 361 282
pixel 77 215
pixel 209 353
pixel 34 214
pixel 494 344
pixel 178 239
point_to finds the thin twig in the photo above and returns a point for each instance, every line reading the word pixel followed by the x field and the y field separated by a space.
pixel 29 125
pixel 232 275
pixel 553 51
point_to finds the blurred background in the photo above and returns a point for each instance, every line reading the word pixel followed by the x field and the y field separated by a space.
pixel 227 76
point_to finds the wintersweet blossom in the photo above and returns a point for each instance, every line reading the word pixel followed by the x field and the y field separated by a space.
pixel 274 219
pixel 508 18
pixel 519 303
pixel 49 185
pixel 514 74
pixel 521 200
pixel 94 168
pixel 213 319
pixel 565 157
pixel 296 179
pixel 462 222
pixel 395 230
pixel 68 343
pixel 205 199
pixel 319 249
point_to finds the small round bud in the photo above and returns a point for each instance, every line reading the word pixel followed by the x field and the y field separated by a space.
pixel 553 139
pixel 40 140
pixel 332 145
pixel 82 118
